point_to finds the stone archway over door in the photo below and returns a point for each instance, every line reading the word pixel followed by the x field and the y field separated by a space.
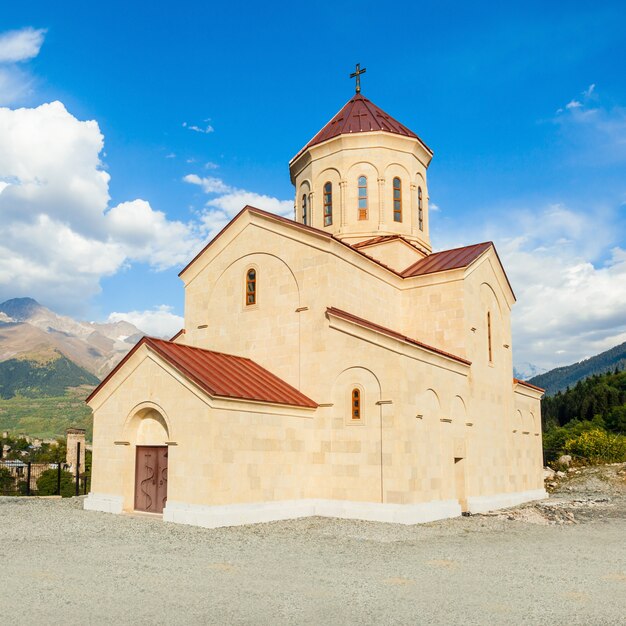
pixel 151 478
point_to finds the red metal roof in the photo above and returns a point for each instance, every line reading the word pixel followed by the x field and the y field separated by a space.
pixel 446 260
pixel 178 334
pixel 221 375
pixel 517 381
pixel 391 333
pixel 360 115
pixel 374 240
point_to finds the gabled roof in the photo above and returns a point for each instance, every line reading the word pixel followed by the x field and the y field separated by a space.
pixel 374 241
pixel 379 239
pixel 220 375
pixel 392 333
pixel 360 115
pixel 517 381
pixel 289 222
pixel 446 260
pixel 436 262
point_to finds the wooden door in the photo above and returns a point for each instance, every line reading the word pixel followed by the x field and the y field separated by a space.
pixel 151 478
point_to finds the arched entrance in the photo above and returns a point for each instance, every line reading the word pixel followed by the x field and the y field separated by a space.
pixel 148 430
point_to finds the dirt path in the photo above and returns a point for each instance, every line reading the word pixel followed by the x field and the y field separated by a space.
pixel 558 562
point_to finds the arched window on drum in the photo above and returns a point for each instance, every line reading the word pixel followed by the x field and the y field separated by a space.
pixel 362 197
pixel 305 216
pixel 397 200
pixel 420 209
pixel 328 204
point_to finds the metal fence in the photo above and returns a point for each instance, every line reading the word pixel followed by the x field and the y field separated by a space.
pixel 24 478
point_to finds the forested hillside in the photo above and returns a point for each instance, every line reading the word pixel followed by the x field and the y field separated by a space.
pixel 599 395
pixel 36 378
pixel 561 378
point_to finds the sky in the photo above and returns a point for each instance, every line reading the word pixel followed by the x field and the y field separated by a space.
pixel 130 133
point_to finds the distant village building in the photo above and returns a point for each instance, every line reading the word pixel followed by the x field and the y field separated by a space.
pixel 75 437
pixel 332 364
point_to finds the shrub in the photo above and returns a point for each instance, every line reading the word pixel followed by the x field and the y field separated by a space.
pixel 47 484
pixel 597 446
pixel 7 482
pixel 555 439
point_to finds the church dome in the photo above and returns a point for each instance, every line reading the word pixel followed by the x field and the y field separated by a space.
pixel 363 176
pixel 360 115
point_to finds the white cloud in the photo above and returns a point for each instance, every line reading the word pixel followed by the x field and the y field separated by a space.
pixel 20 45
pixel 16 84
pixel 596 131
pixel 58 235
pixel 589 91
pixel 571 300
pixel 228 201
pixel 197 129
pixel 209 184
pixel 157 322
pixel 233 202
pixel 209 165
pixel 149 237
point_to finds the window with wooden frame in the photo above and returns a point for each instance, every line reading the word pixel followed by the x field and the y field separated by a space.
pixel 362 197
pixel 489 337
pixel 356 404
pixel 420 209
pixel 328 204
pixel 397 200
pixel 304 209
pixel 251 287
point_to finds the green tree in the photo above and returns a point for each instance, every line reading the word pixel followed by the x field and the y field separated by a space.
pixel 7 482
pixel 47 484
pixel 616 419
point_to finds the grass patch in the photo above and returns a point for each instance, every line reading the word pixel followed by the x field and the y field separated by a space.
pixel 49 417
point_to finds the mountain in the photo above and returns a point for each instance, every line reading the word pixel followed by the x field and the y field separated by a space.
pixel 561 378
pixel 36 376
pixel 524 371
pixel 31 331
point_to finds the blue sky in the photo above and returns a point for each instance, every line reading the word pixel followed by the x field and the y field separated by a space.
pixel 524 107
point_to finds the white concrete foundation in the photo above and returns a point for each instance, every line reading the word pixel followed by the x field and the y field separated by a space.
pixel 239 514
pixel 103 502
pixel 481 504
pixel 258 512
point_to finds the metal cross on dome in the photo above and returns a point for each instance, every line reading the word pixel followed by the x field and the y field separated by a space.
pixel 357 75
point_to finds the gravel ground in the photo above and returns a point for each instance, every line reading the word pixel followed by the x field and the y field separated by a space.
pixel 558 562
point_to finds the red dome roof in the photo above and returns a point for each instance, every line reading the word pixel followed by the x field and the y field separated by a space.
pixel 360 115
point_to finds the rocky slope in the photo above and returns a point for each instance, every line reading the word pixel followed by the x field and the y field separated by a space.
pixel 30 331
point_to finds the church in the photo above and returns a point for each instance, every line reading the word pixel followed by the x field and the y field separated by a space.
pixel 330 365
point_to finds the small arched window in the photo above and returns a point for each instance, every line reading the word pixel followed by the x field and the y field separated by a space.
pixel 489 337
pixel 362 198
pixel 250 287
pixel 397 200
pixel 328 204
pixel 420 209
pixel 304 211
pixel 356 404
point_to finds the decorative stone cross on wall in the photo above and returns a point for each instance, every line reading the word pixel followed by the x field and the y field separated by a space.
pixel 357 75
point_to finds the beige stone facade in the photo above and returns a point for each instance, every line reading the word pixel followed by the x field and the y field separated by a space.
pixel 442 427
